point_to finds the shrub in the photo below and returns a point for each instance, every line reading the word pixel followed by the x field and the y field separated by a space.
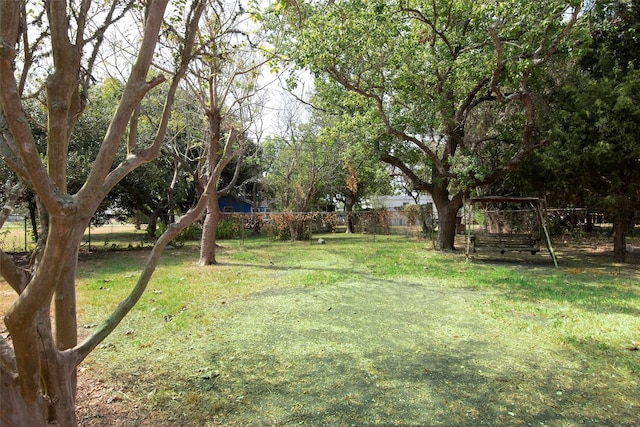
pixel 290 226
pixel 228 229
pixel 192 232
pixel 376 221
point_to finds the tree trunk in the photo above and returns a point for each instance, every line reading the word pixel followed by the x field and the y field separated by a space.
pixel 38 371
pixel 589 222
pixel 447 213
pixel 152 226
pixel 212 215
pixel 15 411
pixel 426 226
pixel 40 380
pixel 137 223
pixel 65 303
pixel 171 209
pixel 53 405
pixel 209 230
pixel 297 227
pixel 33 212
pixel 350 224
pixel 348 206
pixel 620 222
pixel 60 381
pixel 446 229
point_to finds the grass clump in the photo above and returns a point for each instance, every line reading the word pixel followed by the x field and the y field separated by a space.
pixel 366 332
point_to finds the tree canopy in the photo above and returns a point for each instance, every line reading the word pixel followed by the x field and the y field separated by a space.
pixel 453 96
pixel 444 91
pixel 594 159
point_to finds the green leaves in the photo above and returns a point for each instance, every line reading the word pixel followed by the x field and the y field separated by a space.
pixel 596 120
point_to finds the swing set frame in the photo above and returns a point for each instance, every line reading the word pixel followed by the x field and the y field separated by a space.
pixel 504 242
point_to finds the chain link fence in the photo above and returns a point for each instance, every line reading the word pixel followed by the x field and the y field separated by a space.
pixel 303 225
pixel 17 235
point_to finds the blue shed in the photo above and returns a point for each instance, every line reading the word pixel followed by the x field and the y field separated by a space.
pixel 232 204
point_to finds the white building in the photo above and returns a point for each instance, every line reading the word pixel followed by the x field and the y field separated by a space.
pixel 398 202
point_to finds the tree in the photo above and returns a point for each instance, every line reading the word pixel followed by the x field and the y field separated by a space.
pixel 607 116
pixel 446 90
pixel 143 193
pixel 594 159
pixel 223 79
pixel 158 190
pixel 84 142
pixel 302 166
pixel 38 363
pixel 302 171
pixel 361 174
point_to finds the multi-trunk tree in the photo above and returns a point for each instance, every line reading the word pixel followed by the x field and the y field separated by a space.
pixel 302 168
pixel 446 90
pixel 223 78
pixel 38 358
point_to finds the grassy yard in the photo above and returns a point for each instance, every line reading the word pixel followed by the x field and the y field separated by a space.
pixel 360 332
pixel 363 331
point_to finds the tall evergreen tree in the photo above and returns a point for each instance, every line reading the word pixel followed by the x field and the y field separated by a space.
pixel 594 159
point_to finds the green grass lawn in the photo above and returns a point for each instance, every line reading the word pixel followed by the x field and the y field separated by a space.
pixel 362 331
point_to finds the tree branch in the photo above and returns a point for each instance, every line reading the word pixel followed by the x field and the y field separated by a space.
pixel 135 89
pixel 236 174
pixel 495 76
pixel 14 275
pixel 100 179
pixel 7 358
pixel 513 163
pixel 389 129
pixel 27 53
pixel 556 42
pixel 433 24
pixel 11 107
pixel 8 149
pixel 81 351
pixel 418 182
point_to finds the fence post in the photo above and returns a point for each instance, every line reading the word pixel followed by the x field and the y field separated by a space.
pixel 375 225
pixel 242 225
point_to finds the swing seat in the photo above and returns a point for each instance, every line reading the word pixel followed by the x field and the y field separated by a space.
pixel 504 242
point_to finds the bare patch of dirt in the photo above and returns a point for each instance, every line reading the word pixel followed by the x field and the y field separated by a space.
pixel 101 404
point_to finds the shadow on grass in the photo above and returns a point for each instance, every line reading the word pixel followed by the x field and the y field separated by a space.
pixel 585 280
pixel 393 390
pixel 371 348
pixel 384 353
pixel 588 289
